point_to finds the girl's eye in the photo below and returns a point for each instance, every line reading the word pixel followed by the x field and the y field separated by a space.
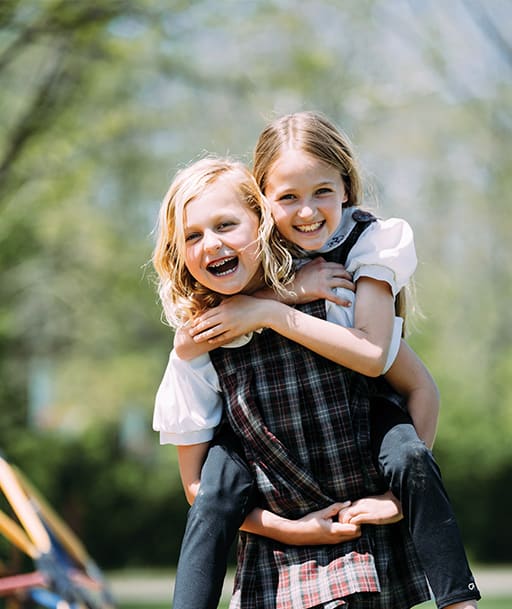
pixel 225 225
pixel 323 191
pixel 191 237
pixel 288 197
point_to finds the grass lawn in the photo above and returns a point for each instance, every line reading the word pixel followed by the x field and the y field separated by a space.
pixel 504 602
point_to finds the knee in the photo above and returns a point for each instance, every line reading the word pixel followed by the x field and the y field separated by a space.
pixel 226 486
pixel 214 503
pixel 411 459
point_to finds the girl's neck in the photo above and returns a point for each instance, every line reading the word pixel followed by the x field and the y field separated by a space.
pixel 256 283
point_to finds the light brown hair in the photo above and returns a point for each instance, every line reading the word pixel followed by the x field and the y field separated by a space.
pixel 314 134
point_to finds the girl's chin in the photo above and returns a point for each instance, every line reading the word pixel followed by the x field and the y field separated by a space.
pixel 310 241
pixel 226 287
pixel 310 245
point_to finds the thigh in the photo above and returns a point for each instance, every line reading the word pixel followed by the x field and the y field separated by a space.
pixel 226 475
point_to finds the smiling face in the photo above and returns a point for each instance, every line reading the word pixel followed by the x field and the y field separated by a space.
pixel 306 196
pixel 221 232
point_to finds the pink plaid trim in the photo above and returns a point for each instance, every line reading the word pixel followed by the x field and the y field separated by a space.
pixel 311 584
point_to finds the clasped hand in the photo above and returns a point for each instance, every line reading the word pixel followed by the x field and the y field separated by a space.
pixel 342 522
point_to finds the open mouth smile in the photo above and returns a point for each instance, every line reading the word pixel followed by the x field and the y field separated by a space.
pixel 219 268
pixel 310 228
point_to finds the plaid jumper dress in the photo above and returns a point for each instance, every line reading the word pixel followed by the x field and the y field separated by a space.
pixel 304 426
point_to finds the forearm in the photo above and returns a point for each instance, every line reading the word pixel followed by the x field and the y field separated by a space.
pixel 320 527
pixel 267 524
pixel 270 294
pixel 190 461
pixel 314 528
pixel 424 411
pixel 363 348
pixel 348 347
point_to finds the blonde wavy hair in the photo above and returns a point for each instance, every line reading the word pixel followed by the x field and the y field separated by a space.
pixel 181 295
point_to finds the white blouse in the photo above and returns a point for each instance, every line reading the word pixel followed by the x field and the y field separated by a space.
pixel 385 251
pixel 188 405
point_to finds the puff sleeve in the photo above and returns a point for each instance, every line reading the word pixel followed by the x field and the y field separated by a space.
pixel 386 252
pixel 188 404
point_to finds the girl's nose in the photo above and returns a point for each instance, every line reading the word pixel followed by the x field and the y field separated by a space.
pixel 211 241
pixel 306 211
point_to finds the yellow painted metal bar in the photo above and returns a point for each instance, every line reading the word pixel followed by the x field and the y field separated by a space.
pixel 65 535
pixel 23 509
pixel 16 535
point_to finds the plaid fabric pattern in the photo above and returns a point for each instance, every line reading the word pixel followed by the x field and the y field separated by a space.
pixel 303 422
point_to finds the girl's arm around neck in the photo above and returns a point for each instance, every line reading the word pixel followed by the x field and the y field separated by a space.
pixel 363 348
pixel 349 347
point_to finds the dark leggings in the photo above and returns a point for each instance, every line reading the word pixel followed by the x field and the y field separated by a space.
pixel 412 474
pixel 227 495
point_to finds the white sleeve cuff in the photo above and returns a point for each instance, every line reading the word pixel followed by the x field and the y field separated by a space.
pixel 380 273
pixel 186 438
pixel 385 246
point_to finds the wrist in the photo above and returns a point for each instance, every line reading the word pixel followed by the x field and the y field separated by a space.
pixel 288 532
pixel 278 528
pixel 277 314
